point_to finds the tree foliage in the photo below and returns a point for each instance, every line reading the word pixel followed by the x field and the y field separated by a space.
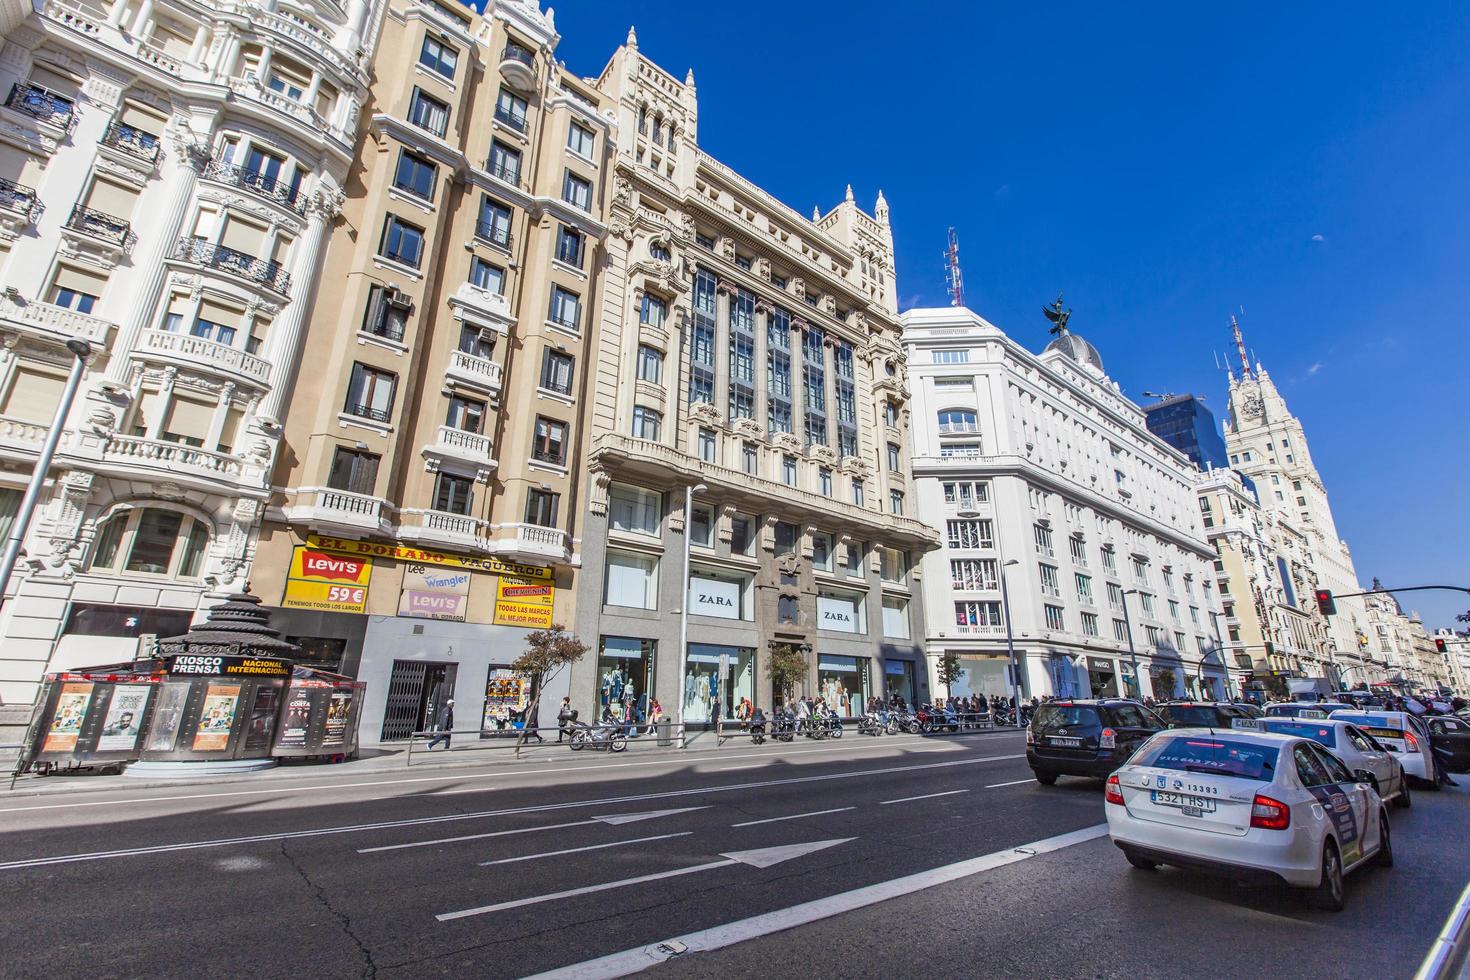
pixel 949 670
pixel 547 653
pixel 1164 683
pixel 786 667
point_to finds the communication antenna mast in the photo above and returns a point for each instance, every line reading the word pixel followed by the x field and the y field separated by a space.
pixel 953 278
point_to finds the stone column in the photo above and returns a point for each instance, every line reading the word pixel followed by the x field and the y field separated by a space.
pixel 763 316
pixel 117 12
pixel 221 413
pixel 141 19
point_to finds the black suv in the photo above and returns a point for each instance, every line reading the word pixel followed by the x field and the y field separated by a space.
pixel 1086 738
pixel 1204 714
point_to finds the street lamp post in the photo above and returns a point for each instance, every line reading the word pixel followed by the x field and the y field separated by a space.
pixel 689 493
pixel 1132 653
pixel 82 350
pixel 1005 603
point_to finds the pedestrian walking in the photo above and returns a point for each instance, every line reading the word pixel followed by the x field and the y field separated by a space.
pixel 565 716
pixel 444 726
pixel 655 715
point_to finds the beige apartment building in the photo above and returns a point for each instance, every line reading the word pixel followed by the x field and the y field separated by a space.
pixel 749 357
pixel 422 517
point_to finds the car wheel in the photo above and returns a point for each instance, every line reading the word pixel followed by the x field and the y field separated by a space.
pixel 1045 778
pixel 1403 800
pixel 1140 862
pixel 1328 895
pixel 1384 857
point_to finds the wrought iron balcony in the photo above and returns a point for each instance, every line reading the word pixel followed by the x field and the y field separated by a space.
pixel 133 142
pixel 518 67
pixel 510 118
pixel 367 412
pixel 506 172
pixel 519 52
pixel 253 180
pixel 100 225
pixel 495 233
pixel 20 199
pixel 42 103
pixel 205 253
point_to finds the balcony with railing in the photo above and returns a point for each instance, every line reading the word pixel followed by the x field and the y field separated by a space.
pixel 199 351
pixel 131 141
pixel 173 457
pixel 470 447
pixel 958 428
pixel 21 434
pixel 53 322
pixel 505 173
pixel 496 233
pixel 260 184
pixel 339 510
pixel 509 117
pixel 42 104
pixel 266 273
pixel 484 307
pixel 518 66
pixel 372 414
pixel 19 199
pixel 531 543
pixel 443 529
pixel 475 371
pixel 102 226
pixel 986 629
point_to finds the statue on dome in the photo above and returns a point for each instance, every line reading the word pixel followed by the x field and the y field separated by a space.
pixel 1057 317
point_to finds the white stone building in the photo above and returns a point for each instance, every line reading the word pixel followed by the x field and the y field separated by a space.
pixel 1039 463
pixel 171 172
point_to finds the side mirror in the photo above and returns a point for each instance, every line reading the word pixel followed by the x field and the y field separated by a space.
pixel 1363 776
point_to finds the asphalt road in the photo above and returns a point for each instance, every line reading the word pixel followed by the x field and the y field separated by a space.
pixel 502 872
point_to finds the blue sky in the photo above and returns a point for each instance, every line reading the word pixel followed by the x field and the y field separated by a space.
pixel 1164 166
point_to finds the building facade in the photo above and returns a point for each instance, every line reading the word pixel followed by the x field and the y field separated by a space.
pixel 424 519
pixel 1037 469
pixel 171 174
pixel 751 357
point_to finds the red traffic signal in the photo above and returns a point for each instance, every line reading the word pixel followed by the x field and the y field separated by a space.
pixel 1326 605
pixel 1439 645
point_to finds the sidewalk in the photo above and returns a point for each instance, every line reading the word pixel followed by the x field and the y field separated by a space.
pixel 394 759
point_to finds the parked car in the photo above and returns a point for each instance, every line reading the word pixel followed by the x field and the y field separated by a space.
pixel 1402 734
pixel 1086 737
pixel 1205 714
pixel 1305 709
pixel 1450 738
pixel 1251 806
pixel 1355 747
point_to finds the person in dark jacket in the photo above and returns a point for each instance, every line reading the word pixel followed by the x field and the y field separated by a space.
pixel 444 724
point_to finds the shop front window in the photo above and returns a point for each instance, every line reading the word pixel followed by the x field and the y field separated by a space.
pixel 624 677
pixel 843 683
pixel 716 680
pixel 898 677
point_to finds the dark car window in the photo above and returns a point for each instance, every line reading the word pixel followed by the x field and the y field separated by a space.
pixel 1221 756
pixel 1190 714
pixel 1321 734
pixel 1359 740
pixel 1054 717
pixel 1334 766
pixel 1134 716
pixel 1309 767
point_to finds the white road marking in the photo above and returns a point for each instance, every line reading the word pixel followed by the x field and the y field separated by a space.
pixel 616 819
pixel 454 817
pixel 589 847
pixel 632 961
pixel 926 796
pixel 763 857
pixel 794 816
pixel 1014 782
pixel 446 778
pixel 753 765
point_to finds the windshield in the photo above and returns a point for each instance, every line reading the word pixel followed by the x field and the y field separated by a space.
pixel 1221 756
pixel 1052 717
pixel 1190 715
pixel 1321 734
pixel 1133 716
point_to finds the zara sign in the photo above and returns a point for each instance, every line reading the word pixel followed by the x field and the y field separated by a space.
pixel 713 597
pixel 840 613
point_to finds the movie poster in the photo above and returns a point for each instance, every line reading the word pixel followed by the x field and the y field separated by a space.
pixel 337 708
pixel 124 721
pixel 167 716
pixel 505 694
pixel 66 722
pixel 216 718
pixel 298 718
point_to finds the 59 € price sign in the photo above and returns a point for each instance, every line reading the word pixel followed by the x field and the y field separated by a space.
pixel 327 581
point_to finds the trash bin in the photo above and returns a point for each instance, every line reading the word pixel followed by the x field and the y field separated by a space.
pixel 665 732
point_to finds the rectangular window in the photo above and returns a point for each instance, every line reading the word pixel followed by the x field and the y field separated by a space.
pixel 493 224
pixel 576 191
pixel 951 356
pixel 1120 630
pixel 971 534
pixel 550 443
pixel 750 458
pixel 566 308
pixel 541 506
pixel 415 175
pixel 1147 601
pixel 402 242
pixel 857 492
pixel 438 57
pixel 1078 547
pixel 778 371
pixel 822 549
pixel 824 481
pixel 707 445
pixel 742 535
pixel 632 580
pixel 896 617
pixel 428 113
pixel 1089 624
pixel 895 502
pixel 786 535
pixel 653 311
pixel 855 551
pixel 702 526
pixel 650 365
pixel 487 276
pixel 788 470
pixel 556 371
pixel 970 615
pixel 1042 536
pixel 510 109
pixel 633 509
pixel 893 457
pixel 370 393
pixel 1054 618
pixel 1110 560
pixel 505 163
pixel 581 141
pixel 973 574
pixel 1049 584
pixel 1174 610
pixel 814 385
pixel 1084 589
pixel 453 494
pixel 893 565
pixel 647 423
pixel 569 246
pixel 354 471
pixel 466 415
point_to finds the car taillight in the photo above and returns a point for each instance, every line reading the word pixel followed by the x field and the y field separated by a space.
pixel 1109 740
pixel 1411 740
pixel 1030 736
pixel 1269 814
pixel 1115 791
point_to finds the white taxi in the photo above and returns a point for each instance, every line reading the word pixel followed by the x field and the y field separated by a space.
pixel 1354 747
pixel 1403 735
pixel 1251 806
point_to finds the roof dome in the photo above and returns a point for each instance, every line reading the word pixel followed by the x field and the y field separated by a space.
pixel 1078 349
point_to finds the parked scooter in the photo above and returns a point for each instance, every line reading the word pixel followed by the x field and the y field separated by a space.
pixel 757 727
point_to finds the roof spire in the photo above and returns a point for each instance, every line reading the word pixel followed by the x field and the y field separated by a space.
pixel 880 210
pixel 816 213
pixel 689 78
pixel 1245 362
pixel 848 197
pixel 632 37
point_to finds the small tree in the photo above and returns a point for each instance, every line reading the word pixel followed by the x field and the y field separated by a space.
pixel 1164 678
pixel 786 666
pixel 548 652
pixel 949 672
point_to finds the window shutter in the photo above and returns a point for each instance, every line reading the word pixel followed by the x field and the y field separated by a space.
pixel 190 419
pixel 34 395
pixel 80 280
pixel 112 199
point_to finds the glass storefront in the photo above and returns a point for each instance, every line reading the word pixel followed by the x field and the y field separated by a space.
pixel 898 678
pixel 624 677
pixel 983 675
pixel 843 683
pixel 710 692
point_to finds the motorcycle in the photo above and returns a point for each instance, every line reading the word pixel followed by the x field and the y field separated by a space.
pixel 834 725
pixel 613 737
pixel 783 728
pixel 902 721
pixel 757 731
pixel 871 724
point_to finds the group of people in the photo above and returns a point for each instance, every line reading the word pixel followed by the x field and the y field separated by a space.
pixel 632 721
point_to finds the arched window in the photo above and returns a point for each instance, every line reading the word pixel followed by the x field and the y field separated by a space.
pixel 151 541
pixel 957 420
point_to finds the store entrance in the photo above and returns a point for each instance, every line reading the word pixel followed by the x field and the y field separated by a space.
pixel 1103 677
pixel 416 691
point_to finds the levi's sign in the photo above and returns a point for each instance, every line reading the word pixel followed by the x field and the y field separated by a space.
pixel 327 581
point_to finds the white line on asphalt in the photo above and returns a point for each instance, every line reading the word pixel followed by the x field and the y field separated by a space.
pixel 634 960
pixel 753 765
pixel 616 819
pixel 926 796
pixel 794 816
pixel 589 847
pixel 452 777
pixel 453 817
pixel 1014 782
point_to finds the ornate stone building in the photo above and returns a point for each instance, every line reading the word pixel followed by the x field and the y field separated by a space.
pixel 746 352
pixel 171 172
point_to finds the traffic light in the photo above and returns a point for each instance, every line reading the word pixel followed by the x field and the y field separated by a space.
pixel 1439 645
pixel 1326 605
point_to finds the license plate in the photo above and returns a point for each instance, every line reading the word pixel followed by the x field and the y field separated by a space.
pixel 1192 806
pixel 1055 740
